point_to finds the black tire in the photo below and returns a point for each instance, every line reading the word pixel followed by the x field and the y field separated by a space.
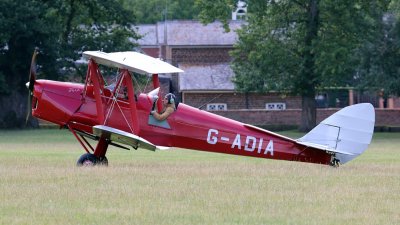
pixel 87 160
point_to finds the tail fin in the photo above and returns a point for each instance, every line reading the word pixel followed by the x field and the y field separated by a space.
pixel 347 133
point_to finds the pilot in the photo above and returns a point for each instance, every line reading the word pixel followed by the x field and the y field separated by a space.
pixel 169 107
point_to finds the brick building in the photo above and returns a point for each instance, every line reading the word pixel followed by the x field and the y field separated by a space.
pixel 202 51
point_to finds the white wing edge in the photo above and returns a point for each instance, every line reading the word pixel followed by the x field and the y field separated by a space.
pixel 132 61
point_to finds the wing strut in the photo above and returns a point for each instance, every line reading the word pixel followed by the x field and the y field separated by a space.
pixel 156 84
pixel 93 77
pixel 125 84
pixel 132 103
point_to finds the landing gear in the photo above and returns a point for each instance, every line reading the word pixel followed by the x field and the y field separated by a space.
pixel 103 161
pixel 91 160
pixel 334 162
pixel 98 157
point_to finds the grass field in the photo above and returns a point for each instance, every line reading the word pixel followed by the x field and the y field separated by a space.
pixel 40 184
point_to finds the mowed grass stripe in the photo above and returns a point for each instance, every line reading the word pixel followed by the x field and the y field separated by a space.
pixel 40 184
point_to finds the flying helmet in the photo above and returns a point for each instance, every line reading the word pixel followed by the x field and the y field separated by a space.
pixel 171 98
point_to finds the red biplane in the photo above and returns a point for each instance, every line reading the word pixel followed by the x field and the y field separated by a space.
pixel 117 115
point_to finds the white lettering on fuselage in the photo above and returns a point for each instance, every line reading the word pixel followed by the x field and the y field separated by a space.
pixel 212 137
pixel 250 145
pixel 73 90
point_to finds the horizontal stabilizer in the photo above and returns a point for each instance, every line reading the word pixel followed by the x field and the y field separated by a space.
pixel 122 137
pixel 347 132
pixel 324 147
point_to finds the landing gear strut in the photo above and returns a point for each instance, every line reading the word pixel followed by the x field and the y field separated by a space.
pixel 334 162
pixel 98 157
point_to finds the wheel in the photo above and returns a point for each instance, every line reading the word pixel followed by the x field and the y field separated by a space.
pixel 91 160
pixel 87 160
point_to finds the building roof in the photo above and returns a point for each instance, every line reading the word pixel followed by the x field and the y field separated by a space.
pixel 192 34
pixel 188 33
pixel 149 33
pixel 206 77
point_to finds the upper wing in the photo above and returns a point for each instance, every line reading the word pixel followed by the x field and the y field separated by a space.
pixel 132 61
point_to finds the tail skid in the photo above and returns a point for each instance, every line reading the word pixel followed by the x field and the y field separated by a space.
pixel 346 134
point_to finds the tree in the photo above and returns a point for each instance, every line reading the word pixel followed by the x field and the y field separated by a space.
pixel 379 66
pixel 153 11
pixel 61 30
pixel 92 25
pixel 297 46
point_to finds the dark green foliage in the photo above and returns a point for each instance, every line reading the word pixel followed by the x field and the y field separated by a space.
pixel 280 54
pixel 216 10
pixel 153 11
pixel 23 25
pixel 62 29
pixel 379 66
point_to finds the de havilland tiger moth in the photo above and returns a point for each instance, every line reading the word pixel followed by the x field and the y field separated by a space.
pixel 120 116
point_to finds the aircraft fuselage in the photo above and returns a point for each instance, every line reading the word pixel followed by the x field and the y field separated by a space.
pixel 65 104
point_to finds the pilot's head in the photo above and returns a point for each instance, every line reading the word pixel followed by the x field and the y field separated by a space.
pixel 169 99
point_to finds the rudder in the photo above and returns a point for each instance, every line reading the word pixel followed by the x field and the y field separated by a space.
pixel 347 132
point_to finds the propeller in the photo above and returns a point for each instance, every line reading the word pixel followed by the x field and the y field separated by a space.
pixel 31 83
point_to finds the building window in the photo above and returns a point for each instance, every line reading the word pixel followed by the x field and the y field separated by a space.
pixel 217 106
pixel 275 106
pixel 241 10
